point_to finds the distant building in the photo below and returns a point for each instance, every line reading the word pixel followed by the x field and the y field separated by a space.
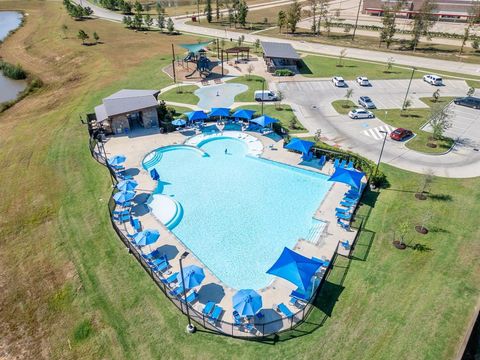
pixel 445 9
pixel 280 56
pixel 128 109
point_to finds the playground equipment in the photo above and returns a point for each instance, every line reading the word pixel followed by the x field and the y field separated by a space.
pixel 197 55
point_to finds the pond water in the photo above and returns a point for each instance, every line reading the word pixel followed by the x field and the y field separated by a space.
pixel 9 20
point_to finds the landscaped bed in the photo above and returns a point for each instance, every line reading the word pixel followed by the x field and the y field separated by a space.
pixel 253 82
pixel 284 113
pixel 181 94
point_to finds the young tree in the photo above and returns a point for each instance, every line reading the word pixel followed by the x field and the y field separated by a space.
pixel 161 21
pixel 96 37
pixel 148 21
pixel 256 45
pixel 323 14
pixel 159 8
pixel 475 44
pixel 293 16
pixel 170 26
pixel 250 69
pixel 126 7
pixel 87 11
pixel 440 120
pixel 348 96
pixel 281 20
pixel 137 21
pixel 318 135
pixel 138 8
pixel 242 13
pixel 341 56
pixel 231 17
pixel 474 18
pixel 389 28
pixel 82 35
pixel 436 95
pixel 406 105
pixel 390 62
pixel 217 9
pixel 313 6
pixel 425 182
pixel 280 98
pixel 423 22
pixel 471 91
pixel 127 21
pixel 208 10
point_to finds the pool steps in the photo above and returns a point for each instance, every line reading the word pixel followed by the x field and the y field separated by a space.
pixel 316 231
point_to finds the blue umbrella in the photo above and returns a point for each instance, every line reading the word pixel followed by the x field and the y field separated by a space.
pixel 264 120
pixel 123 196
pixel 247 302
pixel 154 174
pixel 146 237
pixel 127 185
pixel 243 114
pixel 303 146
pixel 295 268
pixel 117 160
pixel 193 276
pixel 179 122
pixel 350 177
pixel 196 115
pixel 221 112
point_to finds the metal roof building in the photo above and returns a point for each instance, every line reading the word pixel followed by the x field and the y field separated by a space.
pixel 280 56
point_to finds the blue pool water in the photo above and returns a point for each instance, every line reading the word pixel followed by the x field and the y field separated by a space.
pixel 239 211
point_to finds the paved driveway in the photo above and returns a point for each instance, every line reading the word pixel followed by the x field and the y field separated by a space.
pixel 312 102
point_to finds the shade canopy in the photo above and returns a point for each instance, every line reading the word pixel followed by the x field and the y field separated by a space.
pixel 219 112
pixel 348 176
pixel 303 146
pixel 154 174
pixel 195 48
pixel 295 268
pixel 247 302
pixel 243 114
pixel 123 196
pixel 127 185
pixel 193 276
pixel 179 122
pixel 196 115
pixel 146 237
pixel 264 120
pixel 117 160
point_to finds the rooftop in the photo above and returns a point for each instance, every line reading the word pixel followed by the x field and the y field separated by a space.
pixel 279 50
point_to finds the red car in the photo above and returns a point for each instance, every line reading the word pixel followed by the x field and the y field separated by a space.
pixel 400 134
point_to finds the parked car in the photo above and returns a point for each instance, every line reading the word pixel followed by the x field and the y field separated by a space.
pixel 400 134
pixel 363 81
pixel 338 81
pixel 433 80
pixel 265 95
pixel 468 101
pixel 361 114
pixel 366 102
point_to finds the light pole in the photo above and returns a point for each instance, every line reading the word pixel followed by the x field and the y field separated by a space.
pixel 263 90
pixel 385 133
pixel 408 88
pixel 190 327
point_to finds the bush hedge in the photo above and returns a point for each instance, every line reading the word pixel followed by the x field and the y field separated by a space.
pixel 11 71
pixel 284 72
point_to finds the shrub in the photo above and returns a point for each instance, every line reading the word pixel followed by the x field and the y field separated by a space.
pixel 11 71
pixel 284 72
pixel 475 44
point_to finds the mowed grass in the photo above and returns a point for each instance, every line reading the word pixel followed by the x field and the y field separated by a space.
pixel 181 94
pixel 70 290
pixel 343 107
pixel 284 113
pixel 253 82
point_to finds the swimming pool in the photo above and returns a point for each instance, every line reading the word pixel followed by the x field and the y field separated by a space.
pixel 239 211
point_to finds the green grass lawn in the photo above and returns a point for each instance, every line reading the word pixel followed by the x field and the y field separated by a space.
pixel 344 106
pixel 182 94
pixel 253 82
pixel 284 113
pixel 72 290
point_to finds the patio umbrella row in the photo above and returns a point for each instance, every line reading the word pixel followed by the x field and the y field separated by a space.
pixel 245 114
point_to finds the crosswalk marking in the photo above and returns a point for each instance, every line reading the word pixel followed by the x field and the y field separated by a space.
pixel 375 132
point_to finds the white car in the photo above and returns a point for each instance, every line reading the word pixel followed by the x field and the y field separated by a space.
pixel 363 81
pixel 338 81
pixel 361 114
pixel 433 80
pixel 265 95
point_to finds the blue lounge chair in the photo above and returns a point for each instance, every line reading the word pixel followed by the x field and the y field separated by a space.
pixel 346 204
pixel 351 197
pixel 158 260
pixel 249 327
pixel 208 308
pixel 351 164
pixel 343 163
pixel 124 176
pixel 191 297
pixel 336 163
pixel 177 291
pixel 121 212
pixel 342 211
pixel 121 218
pixel 343 216
pixel 345 244
pixel 322 161
pixel 136 224
pixel 299 295
pixel 284 310
pixel 343 225
pixel 153 255
pixel 237 318
pixel 217 311
pixel 117 167
pixel 161 267
pixel 171 279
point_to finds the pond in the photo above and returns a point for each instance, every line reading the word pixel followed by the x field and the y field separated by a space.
pixel 9 20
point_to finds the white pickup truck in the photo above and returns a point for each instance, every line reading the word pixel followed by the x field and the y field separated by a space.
pixel 265 95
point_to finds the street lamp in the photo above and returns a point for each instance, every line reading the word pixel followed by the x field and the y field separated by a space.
pixel 408 88
pixel 385 133
pixel 263 90
pixel 190 327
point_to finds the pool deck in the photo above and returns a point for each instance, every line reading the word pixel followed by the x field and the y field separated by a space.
pixel 141 142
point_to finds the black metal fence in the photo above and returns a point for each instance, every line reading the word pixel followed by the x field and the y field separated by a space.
pixel 261 329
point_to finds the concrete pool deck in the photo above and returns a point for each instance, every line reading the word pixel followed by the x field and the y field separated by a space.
pixel 141 142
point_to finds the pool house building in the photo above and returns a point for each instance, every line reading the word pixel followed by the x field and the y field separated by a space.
pixel 126 110
pixel 280 56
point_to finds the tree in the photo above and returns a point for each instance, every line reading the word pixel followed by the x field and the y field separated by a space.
pixel 161 21
pixel 170 26
pixel 138 8
pixel 436 95
pixel 390 62
pixel 407 105
pixel 313 6
pixel 474 18
pixel 231 17
pixel 82 35
pixel 256 45
pixel 208 10
pixel 322 13
pixel 471 91
pixel 148 21
pixel 250 69
pixel 476 44
pixel 281 20
pixel 341 56
pixel 423 21
pixel 280 97
pixel 96 37
pixel 126 7
pixel 217 9
pixel 137 21
pixel 465 37
pixel 64 28
pixel 127 21
pixel 159 8
pixel 425 182
pixel 87 11
pixel 293 16
pixel 389 28
pixel 242 12
pixel 440 120
pixel 348 96
pixel 318 135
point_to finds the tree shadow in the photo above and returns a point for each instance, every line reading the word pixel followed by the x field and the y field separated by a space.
pixel 170 251
pixel 419 247
pixel 211 292
pixel 436 229
pixel 440 197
